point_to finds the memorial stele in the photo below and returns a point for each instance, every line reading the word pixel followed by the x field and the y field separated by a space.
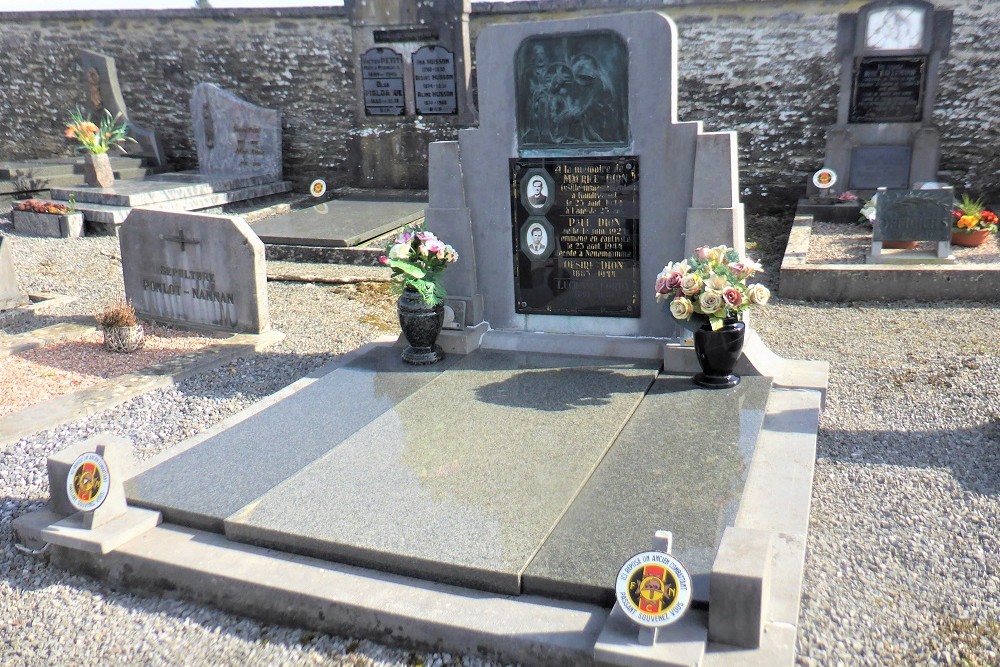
pixel 580 183
pixel 890 52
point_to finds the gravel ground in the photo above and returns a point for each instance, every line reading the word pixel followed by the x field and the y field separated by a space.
pixel 849 243
pixel 904 541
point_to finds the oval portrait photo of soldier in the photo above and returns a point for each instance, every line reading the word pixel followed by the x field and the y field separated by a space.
pixel 537 191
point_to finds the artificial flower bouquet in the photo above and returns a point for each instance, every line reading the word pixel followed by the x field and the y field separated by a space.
pixel 970 216
pixel 417 259
pixel 711 286
pixel 97 139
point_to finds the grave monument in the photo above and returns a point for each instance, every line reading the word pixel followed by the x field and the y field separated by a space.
pixel 102 92
pixel 196 270
pixel 890 54
pixel 413 61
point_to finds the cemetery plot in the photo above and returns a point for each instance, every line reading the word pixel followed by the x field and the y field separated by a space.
pixel 43 373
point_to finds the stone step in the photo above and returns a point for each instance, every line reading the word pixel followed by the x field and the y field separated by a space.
pixel 134 193
pixel 35 183
pixel 111 216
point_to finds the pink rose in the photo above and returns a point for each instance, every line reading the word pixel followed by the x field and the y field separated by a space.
pixel 738 268
pixel 703 252
pixel 733 297
pixel 674 279
pixel 661 284
pixel 383 260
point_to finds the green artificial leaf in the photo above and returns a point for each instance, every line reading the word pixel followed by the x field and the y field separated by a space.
pixel 407 268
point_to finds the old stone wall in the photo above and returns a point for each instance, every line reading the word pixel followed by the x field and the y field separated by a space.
pixel 764 68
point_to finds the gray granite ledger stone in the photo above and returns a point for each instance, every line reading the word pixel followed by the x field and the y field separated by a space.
pixel 462 481
pixel 195 269
pixel 102 92
pixel 234 137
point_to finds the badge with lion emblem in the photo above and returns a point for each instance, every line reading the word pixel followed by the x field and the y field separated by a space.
pixel 88 482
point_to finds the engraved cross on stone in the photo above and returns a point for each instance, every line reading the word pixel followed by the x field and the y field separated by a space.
pixel 180 239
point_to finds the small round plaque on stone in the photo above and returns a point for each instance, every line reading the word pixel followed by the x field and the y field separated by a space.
pixel 653 589
pixel 824 179
pixel 318 187
pixel 88 482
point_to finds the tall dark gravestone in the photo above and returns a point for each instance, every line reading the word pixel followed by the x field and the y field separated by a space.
pixel 102 92
pixel 579 184
pixel 412 62
pixel 890 53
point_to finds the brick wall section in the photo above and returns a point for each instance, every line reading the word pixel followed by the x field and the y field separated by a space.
pixel 763 68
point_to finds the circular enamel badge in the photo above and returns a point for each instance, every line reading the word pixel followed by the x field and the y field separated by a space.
pixel 88 482
pixel 653 588
pixel 318 187
pixel 825 178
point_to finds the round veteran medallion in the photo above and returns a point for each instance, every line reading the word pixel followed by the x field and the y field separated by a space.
pixel 318 187
pixel 824 179
pixel 88 482
pixel 653 589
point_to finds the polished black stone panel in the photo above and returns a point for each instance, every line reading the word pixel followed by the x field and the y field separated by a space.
pixel 880 167
pixel 914 215
pixel 575 228
pixel 382 81
pixel 679 465
pixel 888 90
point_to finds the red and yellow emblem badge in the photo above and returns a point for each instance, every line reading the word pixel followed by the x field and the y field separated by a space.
pixel 653 588
pixel 87 482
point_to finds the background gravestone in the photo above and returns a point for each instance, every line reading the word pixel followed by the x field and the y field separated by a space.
pixel 235 138
pixel 412 68
pixel 10 295
pixel 914 215
pixel 101 91
pixel 890 53
pixel 195 269
pixel 579 184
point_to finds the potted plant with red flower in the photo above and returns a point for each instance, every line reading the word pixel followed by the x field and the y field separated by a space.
pixel 973 224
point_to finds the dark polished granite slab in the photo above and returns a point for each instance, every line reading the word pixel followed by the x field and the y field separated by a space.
pixel 339 223
pixel 207 483
pixel 679 465
pixel 462 481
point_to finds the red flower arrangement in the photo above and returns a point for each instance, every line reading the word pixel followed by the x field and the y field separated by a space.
pixel 39 206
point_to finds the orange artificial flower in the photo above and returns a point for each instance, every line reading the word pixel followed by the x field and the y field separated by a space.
pixel 966 222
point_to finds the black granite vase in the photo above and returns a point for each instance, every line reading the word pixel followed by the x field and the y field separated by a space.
pixel 421 324
pixel 717 352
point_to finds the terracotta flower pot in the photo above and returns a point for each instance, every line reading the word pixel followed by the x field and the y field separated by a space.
pixel 97 171
pixel 970 239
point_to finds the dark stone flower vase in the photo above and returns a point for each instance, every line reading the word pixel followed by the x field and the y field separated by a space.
pixel 97 171
pixel 421 325
pixel 718 352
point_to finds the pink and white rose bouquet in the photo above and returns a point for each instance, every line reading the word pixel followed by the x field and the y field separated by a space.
pixel 711 286
pixel 417 259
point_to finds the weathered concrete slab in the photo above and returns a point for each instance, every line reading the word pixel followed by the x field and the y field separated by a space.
pixel 666 471
pixel 201 487
pixel 338 223
pixel 462 481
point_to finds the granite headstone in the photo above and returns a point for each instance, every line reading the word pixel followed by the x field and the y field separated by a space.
pixel 233 137
pixel 102 92
pixel 10 295
pixel 545 201
pixel 890 52
pixel 913 215
pixel 198 270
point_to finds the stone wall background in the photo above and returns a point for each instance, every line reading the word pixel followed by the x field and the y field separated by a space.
pixel 761 67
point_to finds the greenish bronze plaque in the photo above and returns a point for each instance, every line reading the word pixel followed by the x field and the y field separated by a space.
pixel 572 91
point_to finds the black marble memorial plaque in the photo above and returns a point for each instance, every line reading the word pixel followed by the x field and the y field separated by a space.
pixel 396 35
pixel 382 80
pixel 572 91
pixel 888 90
pixel 576 235
pixel 434 81
pixel 880 167
pixel 913 215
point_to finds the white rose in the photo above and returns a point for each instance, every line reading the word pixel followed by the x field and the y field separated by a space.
pixel 681 308
pixel 710 302
pixel 758 294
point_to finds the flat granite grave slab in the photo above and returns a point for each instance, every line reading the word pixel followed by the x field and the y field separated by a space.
pixel 202 486
pixel 668 470
pixel 462 481
pixel 339 223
